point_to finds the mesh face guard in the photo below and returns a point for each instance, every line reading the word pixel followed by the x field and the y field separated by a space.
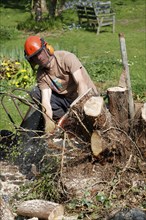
pixel 43 43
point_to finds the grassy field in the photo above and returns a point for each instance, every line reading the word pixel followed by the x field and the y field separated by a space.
pixel 100 54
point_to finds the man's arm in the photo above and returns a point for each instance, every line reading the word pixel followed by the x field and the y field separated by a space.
pixel 46 98
pixel 82 86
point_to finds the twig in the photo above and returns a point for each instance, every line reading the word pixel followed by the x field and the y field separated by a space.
pixel 119 175
pixel 62 157
pixel 87 217
pixel 99 182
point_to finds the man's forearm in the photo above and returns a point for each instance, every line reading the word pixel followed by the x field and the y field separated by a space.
pixel 48 114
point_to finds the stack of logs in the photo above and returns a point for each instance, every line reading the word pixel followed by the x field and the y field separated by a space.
pixel 107 125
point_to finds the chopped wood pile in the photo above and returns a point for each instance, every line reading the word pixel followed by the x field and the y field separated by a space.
pixel 106 124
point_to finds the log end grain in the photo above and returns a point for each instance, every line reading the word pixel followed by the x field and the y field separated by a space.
pixel 93 106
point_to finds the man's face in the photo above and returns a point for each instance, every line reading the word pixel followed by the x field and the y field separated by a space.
pixel 41 58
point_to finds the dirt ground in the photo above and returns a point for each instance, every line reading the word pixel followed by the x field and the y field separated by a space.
pixel 100 187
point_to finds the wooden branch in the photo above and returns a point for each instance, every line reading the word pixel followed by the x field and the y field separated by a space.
pixel 41 209
pixel 122 80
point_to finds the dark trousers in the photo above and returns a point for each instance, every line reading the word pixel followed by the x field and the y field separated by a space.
pixel 59 103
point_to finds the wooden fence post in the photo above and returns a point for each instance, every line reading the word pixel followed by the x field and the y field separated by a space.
pixel 127 74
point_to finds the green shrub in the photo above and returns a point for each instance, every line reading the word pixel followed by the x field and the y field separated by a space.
pixel 17 74
pixel 8 33
pixel 46 24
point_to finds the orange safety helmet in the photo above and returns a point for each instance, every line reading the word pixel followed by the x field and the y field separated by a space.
pixel 35 44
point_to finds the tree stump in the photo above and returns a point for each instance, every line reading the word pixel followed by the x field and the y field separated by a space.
pixel 96 114
pixel 98 119
pixel 40 209
pixel 106 134
pixel 139 129
pixel 118 106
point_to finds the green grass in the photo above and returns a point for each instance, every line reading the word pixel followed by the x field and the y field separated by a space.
pixel 90 48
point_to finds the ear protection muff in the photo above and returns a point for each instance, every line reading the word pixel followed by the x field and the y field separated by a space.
pixel 50 49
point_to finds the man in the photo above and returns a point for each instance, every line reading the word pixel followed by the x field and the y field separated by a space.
pixel 61 78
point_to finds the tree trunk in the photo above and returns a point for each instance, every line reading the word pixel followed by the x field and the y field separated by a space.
pixel 118 106
pixel 40 209
pixel 44 6
pixel 96 113
pixel 36 10
pixel 52 8
pixel 107 136
pixel 61 7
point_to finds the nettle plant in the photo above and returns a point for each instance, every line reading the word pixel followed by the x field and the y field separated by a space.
pixel 17 74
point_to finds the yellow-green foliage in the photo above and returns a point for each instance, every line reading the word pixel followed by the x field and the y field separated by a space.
pixel 17 74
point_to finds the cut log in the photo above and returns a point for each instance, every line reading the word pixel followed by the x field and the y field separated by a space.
pixel 41 209
pixel 118 106
pixel 76 105
pixel 94 106
pixel 97 143
pixel 96 114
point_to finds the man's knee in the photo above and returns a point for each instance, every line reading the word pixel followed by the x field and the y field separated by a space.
pixel 58 112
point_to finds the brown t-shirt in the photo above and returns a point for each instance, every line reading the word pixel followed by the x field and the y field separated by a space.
pixel 59 75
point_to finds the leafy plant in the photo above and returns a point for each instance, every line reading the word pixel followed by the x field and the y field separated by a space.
pixel 101 197
pixel 17 74
pixel 47 184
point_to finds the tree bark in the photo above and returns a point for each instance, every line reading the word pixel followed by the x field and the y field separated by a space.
pixel 52 8
pixel 40 209
pixel 118 106
pixel 139 129
pixel 36 10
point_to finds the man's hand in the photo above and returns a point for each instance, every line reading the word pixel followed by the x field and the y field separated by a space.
pixel 50 127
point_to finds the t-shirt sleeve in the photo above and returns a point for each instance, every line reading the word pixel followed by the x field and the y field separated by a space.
pixel 72 63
